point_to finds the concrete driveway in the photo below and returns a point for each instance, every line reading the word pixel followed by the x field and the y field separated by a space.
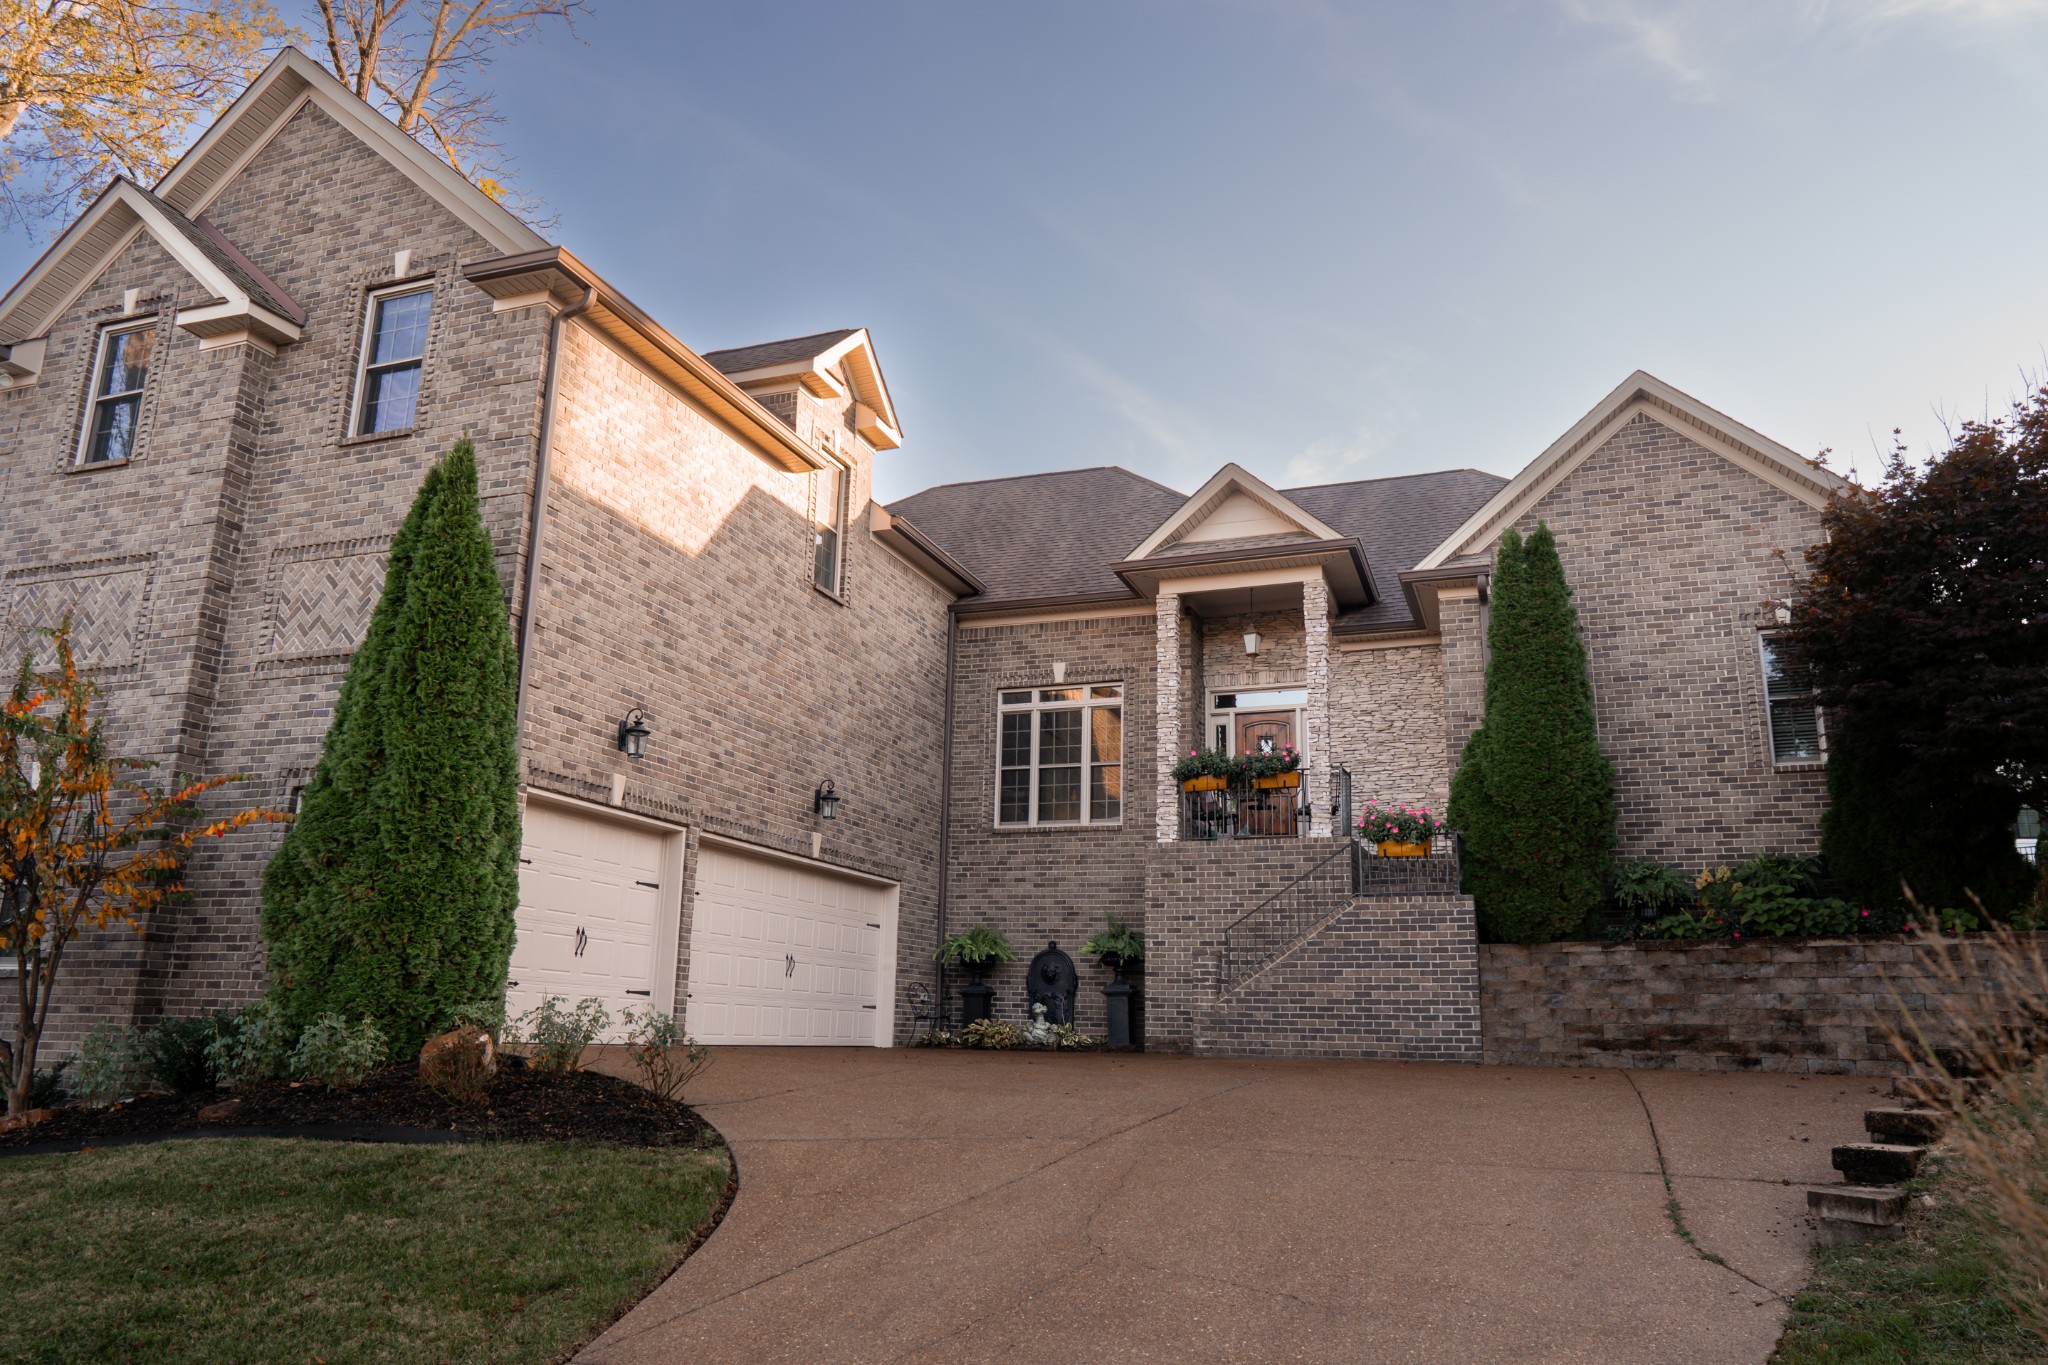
pixel 947 1206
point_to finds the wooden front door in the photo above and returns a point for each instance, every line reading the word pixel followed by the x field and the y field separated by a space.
pixel 1265 731
pixel 1267 814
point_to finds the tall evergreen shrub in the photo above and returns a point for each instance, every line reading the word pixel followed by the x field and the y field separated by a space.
pixel 393 896
pixel 1533 795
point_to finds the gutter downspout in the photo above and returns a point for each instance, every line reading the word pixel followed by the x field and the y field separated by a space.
pixel 945 809
pixel 537 521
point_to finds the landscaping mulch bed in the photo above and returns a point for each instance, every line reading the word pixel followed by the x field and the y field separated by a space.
pixel 582 1106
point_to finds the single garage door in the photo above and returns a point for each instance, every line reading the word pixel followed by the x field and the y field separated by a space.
pixel 784 953
pixel 590 911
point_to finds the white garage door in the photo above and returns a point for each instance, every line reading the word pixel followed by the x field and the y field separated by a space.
pixel 782 953
pixel 590 911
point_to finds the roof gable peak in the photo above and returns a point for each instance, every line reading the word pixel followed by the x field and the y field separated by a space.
pixel 1234 504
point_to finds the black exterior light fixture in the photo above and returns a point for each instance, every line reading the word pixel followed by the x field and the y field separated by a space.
pixel 633 733
pixel 825 800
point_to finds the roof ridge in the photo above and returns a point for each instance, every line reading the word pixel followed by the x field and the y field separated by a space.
pixel 1040 474
pixel 1391 478
pixel 783 341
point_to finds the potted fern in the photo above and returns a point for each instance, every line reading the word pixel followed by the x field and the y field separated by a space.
pixel 1119 946
pixel 977 949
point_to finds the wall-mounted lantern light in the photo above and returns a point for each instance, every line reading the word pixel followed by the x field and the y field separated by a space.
pixel 1251 643
pixel 633 733
pixel 825 800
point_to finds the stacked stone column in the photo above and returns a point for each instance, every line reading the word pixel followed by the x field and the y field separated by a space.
pixel 1315 619
pixel 1167 734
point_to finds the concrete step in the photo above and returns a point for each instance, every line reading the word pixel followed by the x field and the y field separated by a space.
pixel 1842 1232
pixel 1877 1205
pixel 1907 1127
pixel 1877 1163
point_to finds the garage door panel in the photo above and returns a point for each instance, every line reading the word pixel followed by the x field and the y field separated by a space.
pixel 603 877
pixel 782 954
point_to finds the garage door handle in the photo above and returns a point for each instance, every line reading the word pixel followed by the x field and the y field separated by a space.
pixel 639 992
pixel 655 885
pixel 867 1007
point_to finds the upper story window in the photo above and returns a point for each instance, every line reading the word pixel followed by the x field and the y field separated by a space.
pixel 1060 755
pixel 394 348
pixel 120 372
pixel 828 524
pixel 1788 697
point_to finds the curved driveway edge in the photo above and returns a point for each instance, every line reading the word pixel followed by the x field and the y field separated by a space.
pixel 942 1206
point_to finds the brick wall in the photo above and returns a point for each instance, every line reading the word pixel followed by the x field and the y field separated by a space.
pixel 1049 884
pixel 1674 556
pixel 1811 1005
pixel 1389 978
pixel 677 576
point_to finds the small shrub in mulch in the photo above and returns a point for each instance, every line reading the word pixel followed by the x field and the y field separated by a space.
pixel 522 1105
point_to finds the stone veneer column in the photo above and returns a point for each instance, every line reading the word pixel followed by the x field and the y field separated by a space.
pixel 1166 734
pixel 1315 620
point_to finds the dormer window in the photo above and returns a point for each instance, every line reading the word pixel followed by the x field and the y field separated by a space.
pixel 394 351
pixel 120 373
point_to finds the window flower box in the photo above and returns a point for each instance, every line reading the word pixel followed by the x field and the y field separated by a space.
pixel 1395 848
pixel 1205 784
pixel 1400 831
pixel 1277 780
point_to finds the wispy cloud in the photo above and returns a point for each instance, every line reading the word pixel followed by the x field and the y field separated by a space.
pixel 1338 458
pixel 1660 34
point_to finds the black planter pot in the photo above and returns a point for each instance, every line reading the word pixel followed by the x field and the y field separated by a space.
pixel 976 997
pixel 1121 1001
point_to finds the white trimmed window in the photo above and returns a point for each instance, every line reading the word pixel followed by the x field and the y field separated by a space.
pixel 828 525
pixel 393 352
pixel 1060 753
pixel 1794 719
pixel 119 374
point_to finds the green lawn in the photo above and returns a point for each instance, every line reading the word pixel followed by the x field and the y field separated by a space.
pixel 257 1250
pixel 1930 1298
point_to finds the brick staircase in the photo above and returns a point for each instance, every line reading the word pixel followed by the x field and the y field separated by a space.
pixel 1386 967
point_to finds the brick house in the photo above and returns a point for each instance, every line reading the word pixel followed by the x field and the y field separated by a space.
pixel 862 724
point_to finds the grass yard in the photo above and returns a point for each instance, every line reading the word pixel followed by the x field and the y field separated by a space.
pixel 258 1250
pixel 1930 1298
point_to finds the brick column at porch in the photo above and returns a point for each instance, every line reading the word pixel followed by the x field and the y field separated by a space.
pixel 1315 620
pixel 1167 734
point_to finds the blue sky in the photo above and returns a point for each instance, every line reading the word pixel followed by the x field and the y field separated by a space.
pixel 1328 241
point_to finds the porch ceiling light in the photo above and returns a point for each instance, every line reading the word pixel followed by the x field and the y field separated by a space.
pixel 1251 643
pixel 633 733
pixel 825 800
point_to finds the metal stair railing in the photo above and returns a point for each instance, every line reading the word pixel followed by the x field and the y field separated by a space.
pixel 1268 929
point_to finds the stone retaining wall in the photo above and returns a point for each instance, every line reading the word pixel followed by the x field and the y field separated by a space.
pixel 1816 1005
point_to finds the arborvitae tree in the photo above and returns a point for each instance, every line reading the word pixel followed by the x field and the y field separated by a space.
pixel 394 896
pixel 1533 795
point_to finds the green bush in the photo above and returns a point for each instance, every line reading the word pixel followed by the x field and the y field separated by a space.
pixel 46 1087
pixel 175 1052
pixel 251 1045
pixel 109 1065
pixel 1643 888
pixel 557 1035
pixel 393 895
pixel 1533 795
pixel 338 1053
pixel 666 1058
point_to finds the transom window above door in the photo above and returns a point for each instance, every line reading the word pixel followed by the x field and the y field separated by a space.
pixel 1059 755
pixel 1257 720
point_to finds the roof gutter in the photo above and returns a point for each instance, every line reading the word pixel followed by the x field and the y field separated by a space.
pixel 537 519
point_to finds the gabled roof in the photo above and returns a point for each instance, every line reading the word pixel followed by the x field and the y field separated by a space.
pixel 1641 392
pixel 174 212
pixel 809 360
pixel 245 299
pixel 1234 485
pixel 1400 519
pixel 1043 537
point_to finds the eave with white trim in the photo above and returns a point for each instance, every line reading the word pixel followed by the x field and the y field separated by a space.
pixel 854 355
pixel 552 276
pixel 109 226
pixel 1233 480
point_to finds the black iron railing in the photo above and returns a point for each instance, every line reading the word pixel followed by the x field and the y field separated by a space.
pixel 1433 874
pixel 1245 810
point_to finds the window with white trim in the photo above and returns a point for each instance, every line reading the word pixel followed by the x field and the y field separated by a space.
pixel 394 351
pixel 1793 717
pixel 120 372
pixel 828 525
pixel 1060 753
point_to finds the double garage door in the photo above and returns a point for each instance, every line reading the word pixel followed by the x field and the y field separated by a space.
pixel 780 952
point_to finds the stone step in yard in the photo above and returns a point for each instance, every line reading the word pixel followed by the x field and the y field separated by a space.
pixel 1875 1205
pixel 1905 1127
pixel 1877 1163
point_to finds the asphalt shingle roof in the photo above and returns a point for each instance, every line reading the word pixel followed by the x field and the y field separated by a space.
pixel 1056 535
pixel 737 359
pixel 230 261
